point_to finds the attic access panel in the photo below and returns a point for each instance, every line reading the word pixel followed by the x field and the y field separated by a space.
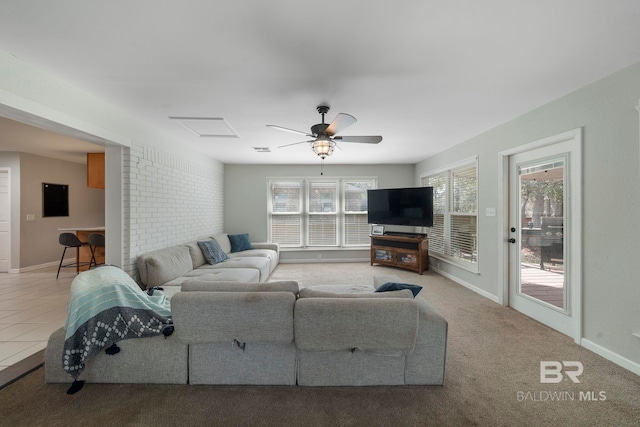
pixel 207 127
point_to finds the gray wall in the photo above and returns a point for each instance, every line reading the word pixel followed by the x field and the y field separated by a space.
pixel 245 201
pixel 606 111
pixel 39 238
pixel 34 243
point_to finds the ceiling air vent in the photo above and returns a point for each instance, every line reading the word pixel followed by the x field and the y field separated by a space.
pixel 207 127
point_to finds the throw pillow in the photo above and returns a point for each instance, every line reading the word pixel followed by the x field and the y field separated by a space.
pixel 212 252
pixel 389 286
pixel 240 242
pixel 223 241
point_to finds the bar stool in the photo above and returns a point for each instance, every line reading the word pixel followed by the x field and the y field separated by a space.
pixel 95 240
pixel 70 240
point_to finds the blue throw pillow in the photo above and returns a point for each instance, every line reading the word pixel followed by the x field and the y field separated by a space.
pixel 240 242
pixel 212 252
pixel 390 286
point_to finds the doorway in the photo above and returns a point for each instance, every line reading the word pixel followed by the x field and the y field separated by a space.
pixel 542 238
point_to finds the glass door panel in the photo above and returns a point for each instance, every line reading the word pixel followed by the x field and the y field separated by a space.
pixel 542 237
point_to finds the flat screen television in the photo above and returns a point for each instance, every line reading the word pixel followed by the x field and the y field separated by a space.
pixel 401 206
pixel 55 199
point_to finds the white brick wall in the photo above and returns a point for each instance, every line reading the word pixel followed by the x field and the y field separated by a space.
pixel 167 201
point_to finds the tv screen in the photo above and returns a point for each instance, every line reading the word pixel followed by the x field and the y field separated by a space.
pixel 401 206
pixel 55 200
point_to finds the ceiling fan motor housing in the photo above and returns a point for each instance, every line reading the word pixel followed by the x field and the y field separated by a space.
pixel 319 128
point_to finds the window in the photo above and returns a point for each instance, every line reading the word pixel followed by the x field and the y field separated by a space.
pixel 286 211
pixel 454 234
pixel 319 212
pixel 356 226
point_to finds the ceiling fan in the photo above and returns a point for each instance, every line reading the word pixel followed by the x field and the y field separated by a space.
pixel 324 135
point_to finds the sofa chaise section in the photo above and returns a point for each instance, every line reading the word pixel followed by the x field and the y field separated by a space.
pixel 170 267
pixel 354 341
pixel 352 336
pixel 237 336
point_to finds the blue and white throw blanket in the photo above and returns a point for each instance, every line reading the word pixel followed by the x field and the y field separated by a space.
pixel 107 306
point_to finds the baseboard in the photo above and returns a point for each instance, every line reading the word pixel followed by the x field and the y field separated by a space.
pixel 40 266
pixel 467 285
pixel 610 355
pixel 15 372
pixel 321 260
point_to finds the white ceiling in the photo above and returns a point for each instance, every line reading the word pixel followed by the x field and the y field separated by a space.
pixel 424 74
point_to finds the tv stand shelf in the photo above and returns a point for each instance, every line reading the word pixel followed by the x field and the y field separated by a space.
pixel 403 251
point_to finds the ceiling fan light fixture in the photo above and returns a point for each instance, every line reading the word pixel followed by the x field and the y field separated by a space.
pixel 323 147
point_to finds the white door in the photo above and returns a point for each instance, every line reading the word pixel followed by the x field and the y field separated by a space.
pixel 543 237
pixel 5 226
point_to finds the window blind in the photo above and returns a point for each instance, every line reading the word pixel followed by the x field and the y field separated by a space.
pixel 356 227
pixel 455 197
pixel 319 212
pixel 322 221
pixel 285 212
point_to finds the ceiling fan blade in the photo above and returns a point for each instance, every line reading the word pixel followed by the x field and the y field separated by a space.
pixel 362 139
pixel 295 143
pixel 340 123
pixel 290 130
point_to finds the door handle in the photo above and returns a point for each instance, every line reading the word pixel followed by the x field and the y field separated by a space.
pixel 511 240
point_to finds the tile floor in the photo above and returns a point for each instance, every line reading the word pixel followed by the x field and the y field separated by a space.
pixel 32 305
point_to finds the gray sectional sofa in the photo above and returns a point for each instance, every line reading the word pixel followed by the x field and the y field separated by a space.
pixel 170 267
pixel 275 333
pixel 234 327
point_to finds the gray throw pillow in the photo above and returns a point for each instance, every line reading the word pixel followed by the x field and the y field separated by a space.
pixel 389 286
pixel 240 242
pixel 212 252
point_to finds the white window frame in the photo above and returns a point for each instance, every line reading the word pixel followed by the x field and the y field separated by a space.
pixel 305 215
pixel 448 255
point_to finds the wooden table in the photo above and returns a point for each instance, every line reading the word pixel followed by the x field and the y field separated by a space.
pixel 84 253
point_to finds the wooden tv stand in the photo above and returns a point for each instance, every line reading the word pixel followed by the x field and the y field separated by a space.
pixel 410 252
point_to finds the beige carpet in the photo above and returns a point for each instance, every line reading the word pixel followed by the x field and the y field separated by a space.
pixel 492 378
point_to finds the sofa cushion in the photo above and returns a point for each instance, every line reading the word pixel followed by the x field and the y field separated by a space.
pixel 212 252
pixel 263 265
pixel 240 242
pixel 168 264
pixel 198 284
pixel 314 293
pixel 264 253
pixel 222 275
pixel 204 317
pixel 196 254
pixel 223 241
pixel 394 286
pixel 367 324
